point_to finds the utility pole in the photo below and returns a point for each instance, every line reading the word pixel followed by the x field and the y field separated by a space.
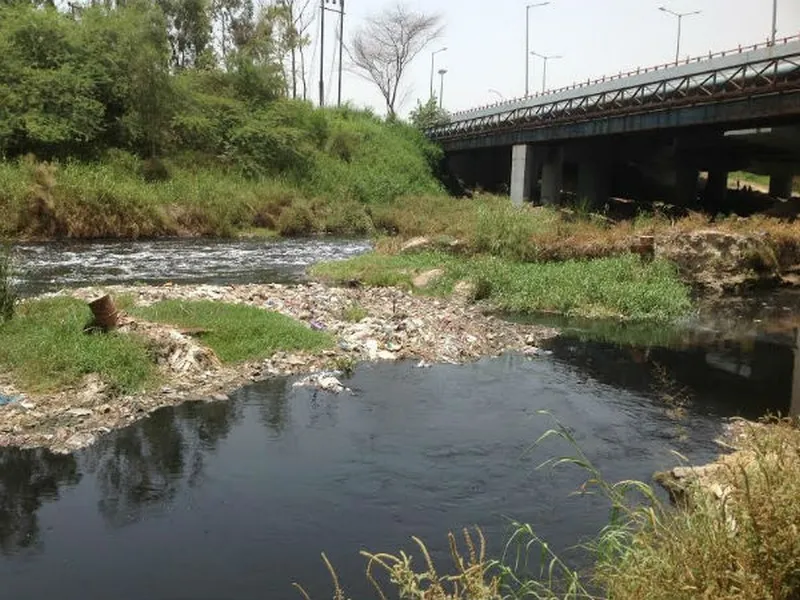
pixel 528 43
pixel 322 53
pixel 341 49
pixel 441 86
pixel 680 20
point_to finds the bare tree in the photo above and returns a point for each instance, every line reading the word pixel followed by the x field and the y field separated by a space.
pixel 387 44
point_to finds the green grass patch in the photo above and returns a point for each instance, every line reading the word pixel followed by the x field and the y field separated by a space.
pixel 621 287
pixel 45 349
pixel 237 332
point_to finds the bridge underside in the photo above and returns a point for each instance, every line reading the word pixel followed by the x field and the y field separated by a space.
pixel 653 156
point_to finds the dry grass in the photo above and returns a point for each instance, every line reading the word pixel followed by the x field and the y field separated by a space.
pixel 739 541
pixel 490 225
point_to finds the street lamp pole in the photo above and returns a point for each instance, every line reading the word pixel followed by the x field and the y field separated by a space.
pixel 441 86
pixel 680 20
pixel 774 20
pixel 433 65
pixel 545 58
pixel 528 42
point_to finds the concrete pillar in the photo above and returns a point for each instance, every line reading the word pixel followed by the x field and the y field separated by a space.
pixel 716 190
pixel 780 185
pixel 521 174
pixel 685 186
pixel 552 177
pixel 594 182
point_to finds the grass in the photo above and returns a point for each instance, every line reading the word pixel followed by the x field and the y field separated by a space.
pixel 625 286
pixel 742 547
pixel 237 332
pixel 354 313
pixel 8 293
pixel 44 348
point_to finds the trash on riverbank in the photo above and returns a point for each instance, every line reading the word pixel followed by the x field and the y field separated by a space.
pixel 9 399
pixel 325 381
pixel 397 326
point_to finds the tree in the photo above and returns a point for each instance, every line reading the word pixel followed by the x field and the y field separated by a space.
pixel 428 115
pixel 383 49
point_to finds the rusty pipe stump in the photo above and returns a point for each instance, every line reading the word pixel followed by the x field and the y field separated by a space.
pixel 106 315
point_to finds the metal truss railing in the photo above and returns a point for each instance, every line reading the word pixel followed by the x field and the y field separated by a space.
pixel 757 73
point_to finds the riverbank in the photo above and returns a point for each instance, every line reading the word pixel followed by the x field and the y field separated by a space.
pixel 732 536
pixel 362 324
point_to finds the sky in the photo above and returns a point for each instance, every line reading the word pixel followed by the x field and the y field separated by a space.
pixel 485 42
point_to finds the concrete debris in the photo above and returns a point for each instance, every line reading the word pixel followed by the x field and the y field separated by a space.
pixel 428 278
pixel 400 326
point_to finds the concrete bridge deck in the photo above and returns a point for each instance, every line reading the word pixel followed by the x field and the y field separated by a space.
pixel 667 123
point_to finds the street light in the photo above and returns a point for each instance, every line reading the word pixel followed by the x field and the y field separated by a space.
pixel 528 42
pixel 545 58
pixel 680 19
pixel 498 94
pixel 433 62
pixel 441 86
pixel 774 20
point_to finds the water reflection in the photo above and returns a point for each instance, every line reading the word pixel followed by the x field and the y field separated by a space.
pixel 752 370
pixel 28 478
pixel 237 499
pixel 139 470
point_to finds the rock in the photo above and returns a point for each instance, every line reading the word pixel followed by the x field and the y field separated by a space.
pixel 417 244
pixel 422 365
pixel 427 278
pixel 79 412
pixel 386 355
pixel 720 260
pixel 219 397
pixel 371 348
pixel 464 293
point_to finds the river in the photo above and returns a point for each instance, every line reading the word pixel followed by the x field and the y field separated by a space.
pixel 236 500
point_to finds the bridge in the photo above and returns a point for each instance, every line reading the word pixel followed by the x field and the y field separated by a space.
pixel 648 133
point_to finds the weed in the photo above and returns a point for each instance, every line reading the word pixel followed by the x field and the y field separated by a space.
pixel 354 313
pixel 344 364
pixel 8 292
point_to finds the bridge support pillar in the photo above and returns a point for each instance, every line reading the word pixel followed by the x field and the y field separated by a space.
pixel 594 182
pixel 780 185
pixel 524 172
pixel 716 190
pixel 553 177
pixel 686 186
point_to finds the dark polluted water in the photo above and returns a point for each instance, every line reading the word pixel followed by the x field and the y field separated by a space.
pixel 236 500
pixel 55 265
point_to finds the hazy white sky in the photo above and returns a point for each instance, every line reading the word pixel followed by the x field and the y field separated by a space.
pixel 486 42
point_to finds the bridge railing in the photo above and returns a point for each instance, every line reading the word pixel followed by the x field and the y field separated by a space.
pixel 726 78
pixel 622 75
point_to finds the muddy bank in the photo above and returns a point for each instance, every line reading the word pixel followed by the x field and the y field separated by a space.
pixel 395 326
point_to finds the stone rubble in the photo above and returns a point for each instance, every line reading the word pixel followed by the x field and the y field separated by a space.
pixel 398 326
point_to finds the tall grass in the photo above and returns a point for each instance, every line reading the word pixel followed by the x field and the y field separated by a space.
pixel 8 292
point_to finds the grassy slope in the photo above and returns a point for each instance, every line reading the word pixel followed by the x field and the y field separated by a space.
pixel 237 332
pixel 45 349
pixel 614 287
pixel 333 177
